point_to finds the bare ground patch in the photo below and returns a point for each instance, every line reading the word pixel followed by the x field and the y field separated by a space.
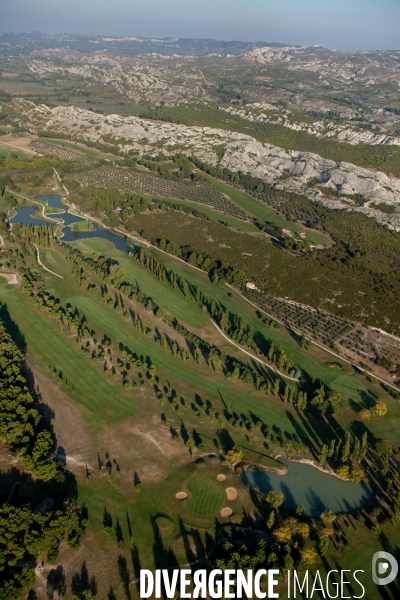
pixel 12 143
pixel 12 278
pixel 100 560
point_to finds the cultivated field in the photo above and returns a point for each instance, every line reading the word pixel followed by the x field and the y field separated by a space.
pixel 62 152
pixel 142 183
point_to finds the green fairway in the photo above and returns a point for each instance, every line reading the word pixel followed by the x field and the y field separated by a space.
pixel 261 210
pixel 315 238
pixel 214 215
pixel 313 361
pixel 101 399
pixel 253 206
pixel 105 400
pixel 81 226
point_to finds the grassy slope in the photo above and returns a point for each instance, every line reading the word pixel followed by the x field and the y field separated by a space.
pixel 105 402
pixel 313 361
pixel 262 211
pixel 213 214
pixel 253 206
pixel 105 320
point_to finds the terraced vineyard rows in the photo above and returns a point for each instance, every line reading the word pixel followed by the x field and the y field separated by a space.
pixel 134 181
pixel 317 324
pixel 26 88
pixel 59 152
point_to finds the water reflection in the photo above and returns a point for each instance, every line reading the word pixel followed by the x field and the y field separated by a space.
pixel 52 200
pixel 119 242
pixel 306 486
pixel 24 216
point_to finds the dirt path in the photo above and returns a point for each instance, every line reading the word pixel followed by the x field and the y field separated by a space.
pixel 254 357
pixel 149 245
pixel 152 440
pixel 45 217
pixel 42 265
pixel 59 179
pixel 17 147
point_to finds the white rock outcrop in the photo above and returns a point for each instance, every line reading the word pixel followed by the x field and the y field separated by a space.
pixel 285 169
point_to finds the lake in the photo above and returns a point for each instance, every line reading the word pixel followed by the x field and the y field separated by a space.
pixel 56 201
pixel 118 241
pixel 306 486
pixel 52 200
pixel 24 216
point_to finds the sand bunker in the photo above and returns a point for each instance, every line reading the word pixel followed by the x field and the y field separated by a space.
pixel 11 278
pixel 226 512
pixel 231 493
pixel 181 496
pixel 221 477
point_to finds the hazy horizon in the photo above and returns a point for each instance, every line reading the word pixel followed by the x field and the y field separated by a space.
pixel 347 25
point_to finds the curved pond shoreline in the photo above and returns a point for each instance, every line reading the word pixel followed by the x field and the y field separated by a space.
pixel 24 215
pixel 65 215
pixel 243 466
pixel 304 485
pixel 312 463
pixel 301 481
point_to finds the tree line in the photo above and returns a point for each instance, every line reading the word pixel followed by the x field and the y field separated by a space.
pixel 218 272
pixel 26 534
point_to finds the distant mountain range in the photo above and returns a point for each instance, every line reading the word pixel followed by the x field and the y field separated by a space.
pixel 28 41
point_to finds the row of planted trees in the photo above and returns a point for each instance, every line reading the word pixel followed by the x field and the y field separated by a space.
pixel 28 535
pixel 231 323
pixel 113 273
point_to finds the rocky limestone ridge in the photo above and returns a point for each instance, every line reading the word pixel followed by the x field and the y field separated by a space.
pixel 294 171
pixel 320 129
pixel 365 66
pixel 285 169
pixel 158 78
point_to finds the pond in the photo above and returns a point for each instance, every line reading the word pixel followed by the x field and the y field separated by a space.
pixel 56 201
pixel 52 200
pixel 118 241
pixel 306 486
pixel 24 216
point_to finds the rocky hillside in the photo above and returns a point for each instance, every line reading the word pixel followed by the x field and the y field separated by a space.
pixel 320 179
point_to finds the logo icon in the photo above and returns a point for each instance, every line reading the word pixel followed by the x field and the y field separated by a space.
pixel 380 565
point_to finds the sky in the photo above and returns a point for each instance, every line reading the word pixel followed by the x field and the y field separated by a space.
pixel 339 24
